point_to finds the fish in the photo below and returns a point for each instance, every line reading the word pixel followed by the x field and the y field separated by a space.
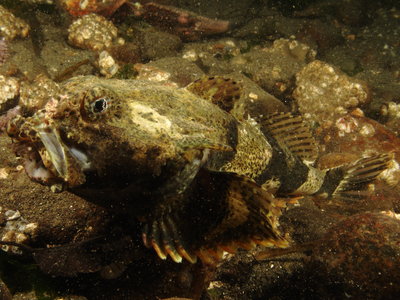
pixel 199 180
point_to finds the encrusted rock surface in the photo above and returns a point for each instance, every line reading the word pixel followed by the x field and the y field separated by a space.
pixel 9 92
pixel 12 26
pixel 92 32
pixel 34 95
pixel 273 68
pixel 173 69
pixel 15 228
pixel 107 64
pixel 323 91
pixel 363 252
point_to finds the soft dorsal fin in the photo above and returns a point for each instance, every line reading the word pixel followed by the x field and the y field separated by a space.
pixel 221 91
pixel 292 132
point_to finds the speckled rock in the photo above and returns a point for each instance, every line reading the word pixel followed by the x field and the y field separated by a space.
pixel 353 136
pixel 93 32
pixel 363 252
pixel 385 88
pixel 157 44
pixel 36 94
pixel 322 92
pixel 107 64
pixel 4 52
pixel 173 69
pixel 11 26
pixel 9 92
pixel 273 68
pixel 214 56
pixel 15 228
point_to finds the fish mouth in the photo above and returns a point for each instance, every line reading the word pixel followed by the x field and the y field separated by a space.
pixel 51 158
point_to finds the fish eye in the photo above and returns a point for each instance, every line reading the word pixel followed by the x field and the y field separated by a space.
pixel 100 105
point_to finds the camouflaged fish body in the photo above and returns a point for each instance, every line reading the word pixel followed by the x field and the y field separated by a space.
pixel 200 179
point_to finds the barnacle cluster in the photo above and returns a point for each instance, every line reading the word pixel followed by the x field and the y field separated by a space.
pixel 273 67
pixel 11 26
pixel 107 64
pixel 323 91
pixel 35 95
pixel 93 32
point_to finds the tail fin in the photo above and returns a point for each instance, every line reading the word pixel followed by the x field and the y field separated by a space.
pixel 350 182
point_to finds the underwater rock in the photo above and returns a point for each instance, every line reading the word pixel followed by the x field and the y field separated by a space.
pixel 350 12
pixel 15 228
pixel 187 24
pixel 362 253
pixel 156 44
pixel 93 32
pixel 173 69
pixel 391 112
pixel 78 8
pixel 4 52
pixel 107 64
pixel 273 68
pixel 323 92
pixel 36 94
pixel 12 26
pixel 385 87
pixel 214 57
pixel 9 92
pixel 354 135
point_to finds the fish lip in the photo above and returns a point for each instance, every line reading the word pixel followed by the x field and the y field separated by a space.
pixel 55 149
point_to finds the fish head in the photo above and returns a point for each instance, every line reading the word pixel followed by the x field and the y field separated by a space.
pixel 91 133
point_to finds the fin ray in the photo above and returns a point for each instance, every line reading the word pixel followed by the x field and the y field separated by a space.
pixel 221 91
pixel 292 132
pixel 359 174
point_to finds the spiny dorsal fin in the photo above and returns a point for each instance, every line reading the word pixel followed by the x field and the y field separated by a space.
pixel 293 132
pixel 219 90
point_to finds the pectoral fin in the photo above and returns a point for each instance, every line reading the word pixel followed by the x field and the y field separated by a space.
pixel 222 212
